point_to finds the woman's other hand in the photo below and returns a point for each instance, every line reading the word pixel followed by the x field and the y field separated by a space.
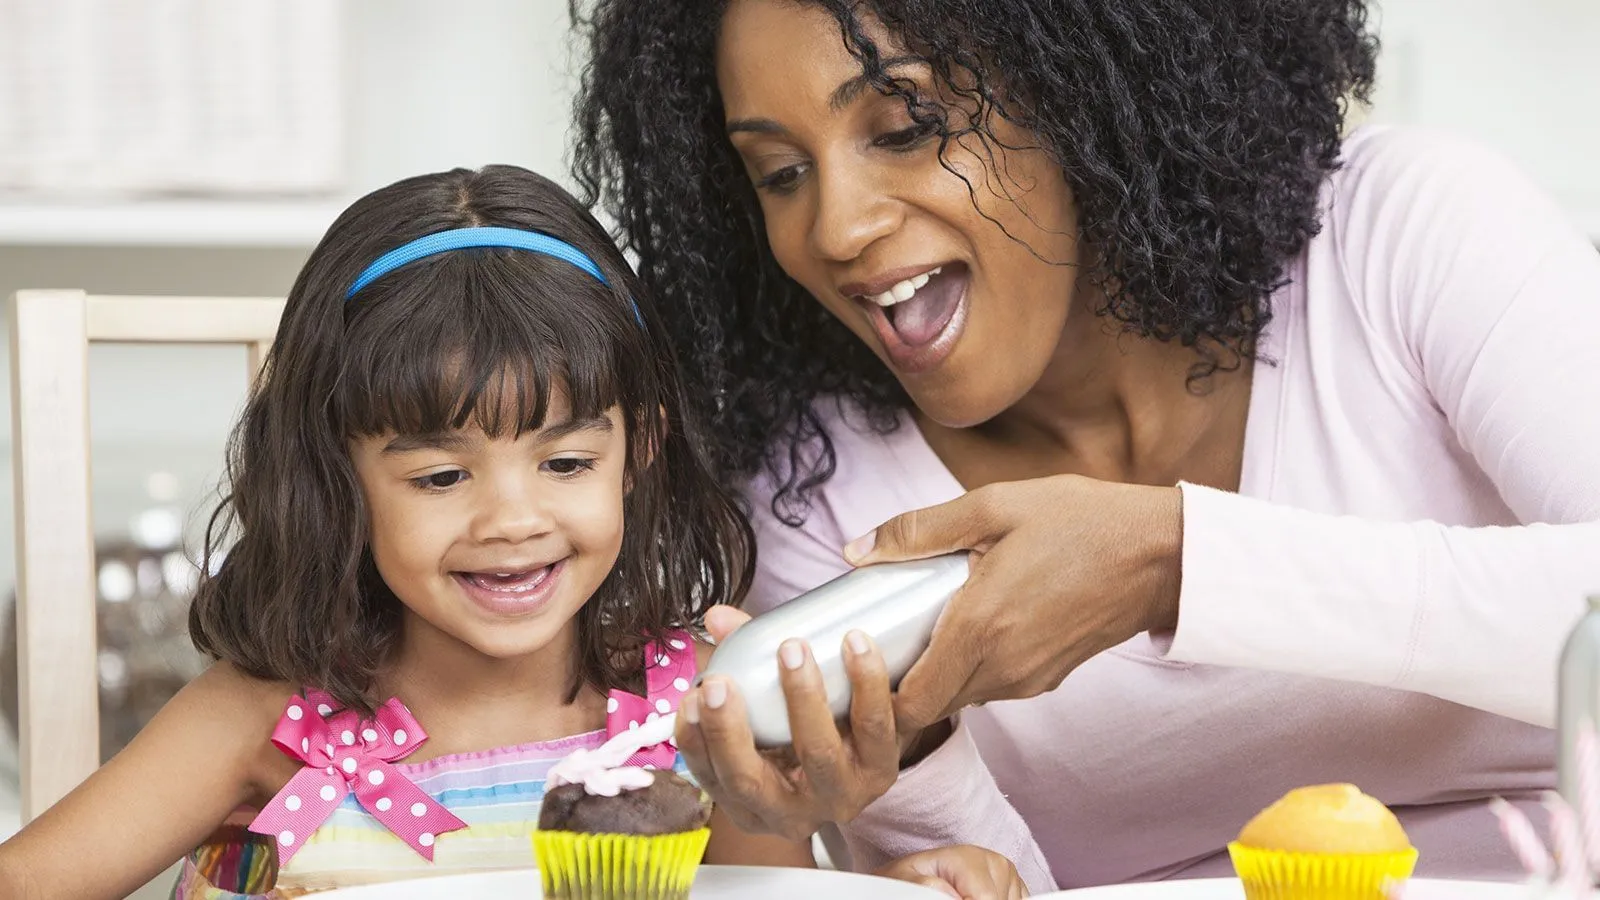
pixel 829 774
pixel 962 871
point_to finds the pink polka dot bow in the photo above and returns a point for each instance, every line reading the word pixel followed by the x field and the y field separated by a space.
pixel 669 668
pixel 343 755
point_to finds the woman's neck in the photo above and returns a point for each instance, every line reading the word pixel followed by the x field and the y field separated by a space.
pixel 469 701
pixel 1114 406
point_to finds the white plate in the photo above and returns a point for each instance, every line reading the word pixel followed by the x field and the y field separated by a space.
pixel 710 883
pixel 1228 889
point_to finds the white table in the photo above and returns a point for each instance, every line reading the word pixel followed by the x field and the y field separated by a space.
pixel 744 882
pixel 1229 889
pixel 710 883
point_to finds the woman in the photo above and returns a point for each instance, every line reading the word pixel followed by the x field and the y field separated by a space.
pixel 1277 444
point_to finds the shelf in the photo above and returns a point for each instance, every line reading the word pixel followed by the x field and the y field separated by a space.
pixel 176 223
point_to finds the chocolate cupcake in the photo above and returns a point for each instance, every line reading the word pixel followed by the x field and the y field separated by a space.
pixel 622 833
pixel 669 805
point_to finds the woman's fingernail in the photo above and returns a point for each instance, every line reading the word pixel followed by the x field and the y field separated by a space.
pixel 716 693
pixel 861 546
pixel 690 708
pixel 858 643
pixel 791 654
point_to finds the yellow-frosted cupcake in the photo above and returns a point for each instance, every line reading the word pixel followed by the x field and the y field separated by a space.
pixel 621 834
pixel 1328 841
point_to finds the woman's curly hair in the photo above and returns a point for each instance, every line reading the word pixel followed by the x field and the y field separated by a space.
pixel 1195 135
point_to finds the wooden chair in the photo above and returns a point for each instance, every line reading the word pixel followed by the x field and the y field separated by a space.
pixel 58 685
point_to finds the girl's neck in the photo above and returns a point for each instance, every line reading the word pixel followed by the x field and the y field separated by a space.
pixel 468 701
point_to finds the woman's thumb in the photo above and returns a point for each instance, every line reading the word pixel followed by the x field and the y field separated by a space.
pixel 722 621
pixel 946 528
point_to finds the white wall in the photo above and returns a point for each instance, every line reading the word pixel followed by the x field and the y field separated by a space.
pixel 1521 75
pixel 468 82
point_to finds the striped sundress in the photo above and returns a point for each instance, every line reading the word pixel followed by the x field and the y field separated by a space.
pixel 496 793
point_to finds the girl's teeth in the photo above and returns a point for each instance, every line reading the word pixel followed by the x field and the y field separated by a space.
pixel 511 582
pixel 903 291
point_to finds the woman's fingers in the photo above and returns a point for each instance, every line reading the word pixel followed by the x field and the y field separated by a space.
pixel 929 691
pixel 722 621
pixel 824 776
pixel 873 731
pixel 691 742
pixel 751 787
pixel 938 884
pixel 815 738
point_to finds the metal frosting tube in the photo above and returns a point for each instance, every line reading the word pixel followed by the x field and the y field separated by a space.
pixel 896 604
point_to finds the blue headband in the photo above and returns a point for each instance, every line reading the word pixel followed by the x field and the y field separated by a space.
pixel 488 236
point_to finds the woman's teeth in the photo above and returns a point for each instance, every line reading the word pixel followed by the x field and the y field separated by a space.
pixel 903 290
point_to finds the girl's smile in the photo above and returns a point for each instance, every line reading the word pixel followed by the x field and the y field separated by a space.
pixel 512 590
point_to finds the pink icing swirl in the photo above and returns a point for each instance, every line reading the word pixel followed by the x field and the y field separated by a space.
pixel 598 780
pixel 602 772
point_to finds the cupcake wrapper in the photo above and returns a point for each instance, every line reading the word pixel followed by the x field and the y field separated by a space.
pixel 579 866
pixel 1277 875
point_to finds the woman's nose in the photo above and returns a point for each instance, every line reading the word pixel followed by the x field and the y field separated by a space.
pixel 851 213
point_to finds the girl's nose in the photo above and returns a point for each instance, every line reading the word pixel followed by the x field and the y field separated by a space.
pixel 512 514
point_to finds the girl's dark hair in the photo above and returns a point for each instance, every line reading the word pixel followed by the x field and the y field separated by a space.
pixel 1194 133
pixel 479 337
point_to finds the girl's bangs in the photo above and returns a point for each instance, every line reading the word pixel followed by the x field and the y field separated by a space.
pixel 513 338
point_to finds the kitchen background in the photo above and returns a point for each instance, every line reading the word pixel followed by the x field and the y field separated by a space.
pixel 201 147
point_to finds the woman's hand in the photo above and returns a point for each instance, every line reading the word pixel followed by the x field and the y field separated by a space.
pixel 828 776
pixel 962 871
pixel 1064 568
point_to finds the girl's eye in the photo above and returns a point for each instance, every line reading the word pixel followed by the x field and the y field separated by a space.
pixel 568 466
pixel 439 481
pixel 782 181
pixel 907 138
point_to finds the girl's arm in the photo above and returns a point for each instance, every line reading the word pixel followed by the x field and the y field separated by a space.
pixel 204 754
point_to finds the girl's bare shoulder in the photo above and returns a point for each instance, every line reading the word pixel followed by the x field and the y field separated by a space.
pixel 237 712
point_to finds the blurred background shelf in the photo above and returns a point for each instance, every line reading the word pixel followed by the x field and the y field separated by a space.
pixel 171 223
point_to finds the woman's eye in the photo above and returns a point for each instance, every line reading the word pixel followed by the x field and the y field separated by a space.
pixel 906 138
pixel 782 181
pixel 439 481
pixel 569 465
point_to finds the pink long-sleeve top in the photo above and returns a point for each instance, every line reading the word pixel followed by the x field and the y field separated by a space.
pixel 1382 602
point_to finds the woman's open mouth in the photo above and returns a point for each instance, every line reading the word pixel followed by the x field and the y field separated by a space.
pixel 919 319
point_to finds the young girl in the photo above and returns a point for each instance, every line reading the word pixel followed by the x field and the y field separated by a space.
pixel 469 522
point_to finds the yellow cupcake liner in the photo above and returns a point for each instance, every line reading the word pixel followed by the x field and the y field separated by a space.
pixel 579 866
pixel 1280 875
